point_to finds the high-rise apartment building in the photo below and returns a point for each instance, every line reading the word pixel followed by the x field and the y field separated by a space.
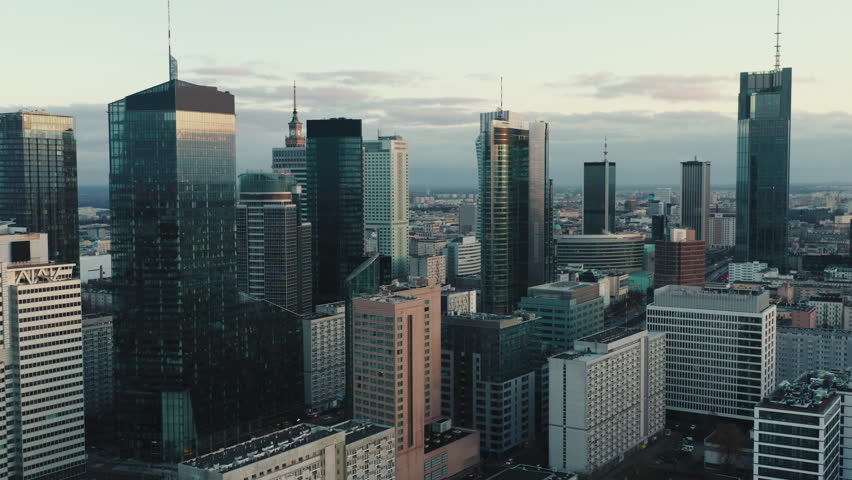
pixel 38 182
pixel 679 260
pixel 763 166
pixel 515 214
pixel 43 428
pixel 324 356
pixel 273 245
pixel 722 230
pixel 386 194
pixel 464 257
pixel 291 158
pixel 695 197
pixel 565 311
pixel 598 197
pixel 397 367
pixel 606 398
pixel 490 377
pixel 720 348
pixel 335 204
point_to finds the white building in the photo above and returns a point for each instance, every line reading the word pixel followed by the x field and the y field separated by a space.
pixel 805 349
pixel 433 268
pixel 386 198
pixel 41 353
pixel 606 398
pixel 720 348
pixel 722 229
pixel 324 356
pixel 796 434
pixel 464 257
pixel 350 450
pixel 830 310
pixel 745 272
pixel 98 363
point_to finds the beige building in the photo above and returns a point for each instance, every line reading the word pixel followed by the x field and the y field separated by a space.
pixel 432 268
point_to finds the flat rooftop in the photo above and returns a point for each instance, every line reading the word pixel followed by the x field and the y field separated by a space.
pixel 611 335
pixel 437 440
pixel 529 472
pixel 745 300
pixel 813 392
pixel 356 431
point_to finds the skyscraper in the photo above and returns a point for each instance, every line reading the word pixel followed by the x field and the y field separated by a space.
pixel 189 372
pixel 291 158
pixel 695 197
pixel 386 212
pixel 763 165
pixel 515 214
pixel 273 245
pixel 599 197
pixel 335 206
pixel 679 260
pixel 38 181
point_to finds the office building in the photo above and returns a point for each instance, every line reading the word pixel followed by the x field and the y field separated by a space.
pixel 664 195
pixel 324 356
pixel 490 377
pixel 565 311
pixel 622 253
pixel 433 269
pixel 659 227
pixel 763 166
pixel 426 246
pixel 173 208
pixel 798 431
pixel 606 398
pixel 273 245
pixel 464 258
pixel 335 206
pixel 720 348
pixel 468 218
pixel 454 302
pixel 655 208
pixel 599 197
pixel 745 271
pixel 386 193
pixel 396 367
pixel 38 182
pixel 43 427
pixel 722 230
pixel 291 158
pixel 350 450
pixel 804 349
pixel 695 197
pixel 679 261
pixel 98 363
pixel 829 310
pixel 515 207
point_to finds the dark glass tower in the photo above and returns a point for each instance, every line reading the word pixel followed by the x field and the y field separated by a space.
pixel 515 208
pixel 193 362
pixel 695 197
pixel 763 166
pixel 335 206
pixel 598 197
pixel 38 179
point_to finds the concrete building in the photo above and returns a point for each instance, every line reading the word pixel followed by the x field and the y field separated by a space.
pixel 324 356
pixel 386 198
pixel 754 272
pixel 722 230
pixel 450 452
pixel 350 450
pixel 664 195
pixel 397 370
pixel 431 268
pixel 43 408
pixel 611 253
pixel 429 247
pixel 803 316
pixel 464 258
pixel 490 377
pixel 804 349
pixel 796 434
pixel 292 157
pixel 829 310
pixel 606 398
pixel 695 197
pixel 98 363
pixel 467 218
pixel 565 311
pixel 720 348
pixel 457 301
pixel 680 260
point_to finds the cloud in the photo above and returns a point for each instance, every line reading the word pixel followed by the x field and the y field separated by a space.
pixel 364 77
pixel 672 88
pixel 240 72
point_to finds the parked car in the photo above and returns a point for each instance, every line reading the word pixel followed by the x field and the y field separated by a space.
pixel 687 448
pixel 688 439
pixel 692 427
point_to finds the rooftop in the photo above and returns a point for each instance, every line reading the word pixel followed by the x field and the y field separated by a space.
pixel 566 290
pixel 740 298
pixel 813 392
pixel 611 335
pixel 529 472
pixel 436 440
pixel 490 320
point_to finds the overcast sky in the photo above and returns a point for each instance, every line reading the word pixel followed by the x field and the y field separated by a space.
pixel 658 77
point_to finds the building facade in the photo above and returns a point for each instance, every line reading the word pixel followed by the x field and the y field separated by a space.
pixel 606 398
pixel 565 311
pixel 763 166
pixel 98 361
pixel 468 218
pixel 722 230
pixel 273 245
pixel 464 258
pixel 598 197
pixel 830 311
pixel 324 356
pixel 335 206
pixel 431 268
pixel 720 348
pixel 679 262
pixel 621 253
pixel 38 182
pixel 695 197
pixel 515 207
pixel 292 157
pixel 386 193
pixel 805 349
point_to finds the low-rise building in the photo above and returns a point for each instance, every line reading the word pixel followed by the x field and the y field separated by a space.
pixel 324 356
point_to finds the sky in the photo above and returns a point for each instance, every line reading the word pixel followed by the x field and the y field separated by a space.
pixel 658 78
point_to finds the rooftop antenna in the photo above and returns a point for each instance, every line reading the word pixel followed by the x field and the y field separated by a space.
pixel 501 92
pixel 173 67
pixel 605 152
pixel 294 97
pixel 778 38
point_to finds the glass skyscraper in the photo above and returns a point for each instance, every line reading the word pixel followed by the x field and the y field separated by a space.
pixel 193 362
pixel 598 197
pixel 38 179
pixel 335 205
pixel 695 197
pixel 763 166
pixel 515 208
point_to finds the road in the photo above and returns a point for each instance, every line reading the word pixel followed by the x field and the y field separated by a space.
pixel 712 273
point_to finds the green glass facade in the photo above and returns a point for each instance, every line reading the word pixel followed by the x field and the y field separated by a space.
pixel 38 179
pixel 763 167
pixel 193 358
pixel 565 311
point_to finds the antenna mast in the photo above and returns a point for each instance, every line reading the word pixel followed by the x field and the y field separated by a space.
pixel 501 92
pixel 778 38
pixel 605 152
pixel 294 97
pixel 173 67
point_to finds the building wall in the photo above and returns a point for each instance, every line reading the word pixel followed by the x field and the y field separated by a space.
pixel 386 198
pixel 618 253
pixel 829 311
pixel 433 269
pixel 806 349
pixel 679 263
pixel 98 364
pixel 324 357
pixel 722 228
pixel 564 318
pixel 456 457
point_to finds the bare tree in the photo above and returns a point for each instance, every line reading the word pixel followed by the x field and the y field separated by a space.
pixel 731 439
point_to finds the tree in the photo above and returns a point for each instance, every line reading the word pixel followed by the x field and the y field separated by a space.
pixel 731 439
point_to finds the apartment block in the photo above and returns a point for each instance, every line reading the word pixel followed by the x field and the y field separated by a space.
pixel 324 356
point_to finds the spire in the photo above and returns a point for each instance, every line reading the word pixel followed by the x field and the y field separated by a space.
pixel 294 98
pixel 173 66
pixel 605 152
pixel 778 38
pixel 501 92
pixel 295 137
